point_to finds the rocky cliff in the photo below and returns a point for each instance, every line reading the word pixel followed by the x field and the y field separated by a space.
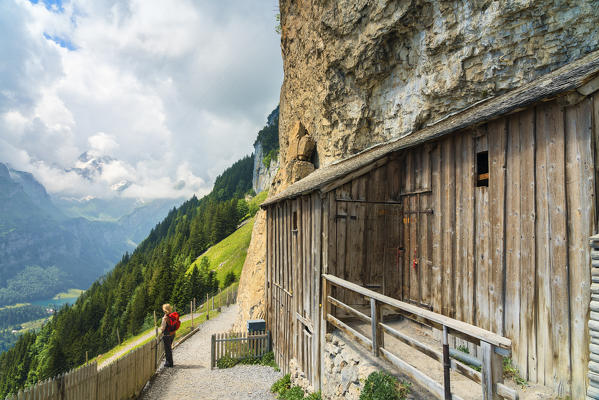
pixel 362 72
pixel 264 172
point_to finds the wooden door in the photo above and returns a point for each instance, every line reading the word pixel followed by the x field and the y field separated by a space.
pixel 417 250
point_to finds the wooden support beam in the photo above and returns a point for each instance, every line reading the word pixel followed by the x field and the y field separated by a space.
pixel 347 308
pixel 492 372
pixel 432 353
pixel 349 331
pixel 415 375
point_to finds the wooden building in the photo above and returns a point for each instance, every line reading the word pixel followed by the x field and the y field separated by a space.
pixel 483 217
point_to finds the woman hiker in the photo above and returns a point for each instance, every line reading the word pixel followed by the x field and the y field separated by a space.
pixel 167 335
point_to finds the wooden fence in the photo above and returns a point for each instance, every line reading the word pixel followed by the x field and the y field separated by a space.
pixel 238 345
pixel 122 379
pixel 493 346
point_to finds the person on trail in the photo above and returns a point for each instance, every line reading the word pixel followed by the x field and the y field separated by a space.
pixel 170 323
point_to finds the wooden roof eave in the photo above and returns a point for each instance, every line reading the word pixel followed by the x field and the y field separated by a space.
pixel 580 75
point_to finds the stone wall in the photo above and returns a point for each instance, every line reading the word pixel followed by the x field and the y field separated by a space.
pixel 346 368
pixel 361 72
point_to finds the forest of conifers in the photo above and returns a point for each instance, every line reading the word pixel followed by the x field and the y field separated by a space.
pixel 140 283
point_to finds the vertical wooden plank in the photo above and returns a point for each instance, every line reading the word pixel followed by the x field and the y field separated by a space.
pixel 460 234
pixel 448 174
pixel 497 147
pixel 559 251
pixel 469 187
pixel 513 238
pixel 316 252
pixel 482 233
pixel 544 338
pixel 581 217
pixel 528 307
pixel 425 234
pixel 437 236
pixel 341 222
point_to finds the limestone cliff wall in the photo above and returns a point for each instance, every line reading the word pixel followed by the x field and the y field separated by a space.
pixel 262 175
pixel 362 72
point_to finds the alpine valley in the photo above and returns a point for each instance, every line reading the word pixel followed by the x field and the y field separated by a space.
pixel 51 245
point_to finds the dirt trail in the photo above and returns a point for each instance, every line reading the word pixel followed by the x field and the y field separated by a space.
pixel 192 378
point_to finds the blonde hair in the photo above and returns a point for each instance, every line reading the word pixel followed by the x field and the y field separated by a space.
pixel 167 308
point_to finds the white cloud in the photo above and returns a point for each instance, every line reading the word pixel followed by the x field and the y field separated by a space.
pixel 175 91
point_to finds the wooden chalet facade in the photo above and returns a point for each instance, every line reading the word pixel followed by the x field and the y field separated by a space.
pixel 483 217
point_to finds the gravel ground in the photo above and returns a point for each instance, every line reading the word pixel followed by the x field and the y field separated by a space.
pixel 192 378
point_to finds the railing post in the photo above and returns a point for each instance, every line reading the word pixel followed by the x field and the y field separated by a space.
pixel 492 371
pixel 376 316
pixel 325 306
pixel 446 365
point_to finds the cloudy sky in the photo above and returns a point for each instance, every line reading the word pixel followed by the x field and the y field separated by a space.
pixel 172 91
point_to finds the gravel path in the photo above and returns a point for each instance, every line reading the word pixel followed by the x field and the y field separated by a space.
pixel 192 378
pixel 140 340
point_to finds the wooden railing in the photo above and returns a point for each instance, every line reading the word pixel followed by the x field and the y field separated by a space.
pixel 493 346
pixel 238 345
pixel 122 379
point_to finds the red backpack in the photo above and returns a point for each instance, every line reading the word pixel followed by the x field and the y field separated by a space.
pixel 172 322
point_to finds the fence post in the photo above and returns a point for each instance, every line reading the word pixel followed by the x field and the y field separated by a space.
pixel 207 308
pixel 155 325
pixel 191 308
pixel 492 371
pixel 212 348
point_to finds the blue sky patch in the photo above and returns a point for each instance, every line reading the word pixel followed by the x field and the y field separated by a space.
pixel 62 42
pixel 51 5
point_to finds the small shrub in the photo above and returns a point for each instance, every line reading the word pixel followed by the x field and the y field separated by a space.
pixel 463 349
pixel 382 386
pixel 226 362
pixel 314 396
pixel 510 371
pixel 293 393
pixel 281 385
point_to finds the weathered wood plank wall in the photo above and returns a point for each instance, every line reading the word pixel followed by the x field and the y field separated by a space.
pixel 293 282
pixel 510 257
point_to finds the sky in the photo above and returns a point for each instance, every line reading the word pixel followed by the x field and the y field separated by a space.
pixel 167 93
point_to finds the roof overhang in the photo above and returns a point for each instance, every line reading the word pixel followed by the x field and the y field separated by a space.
pixel 581 75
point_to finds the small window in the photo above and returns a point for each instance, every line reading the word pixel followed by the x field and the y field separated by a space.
pixel 295 220
pixel 482 169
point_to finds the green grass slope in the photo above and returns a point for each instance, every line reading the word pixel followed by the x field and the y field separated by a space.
pixel 229 254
